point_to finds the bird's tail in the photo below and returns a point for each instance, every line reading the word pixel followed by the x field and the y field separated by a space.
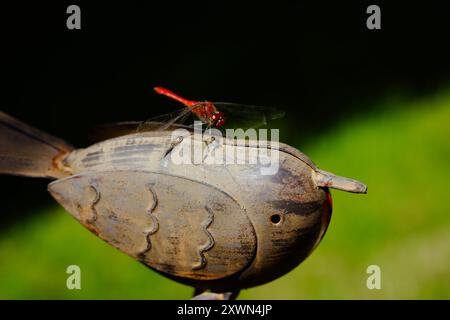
pixel 30 152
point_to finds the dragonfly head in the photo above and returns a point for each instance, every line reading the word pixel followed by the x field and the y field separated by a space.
pixel 218 119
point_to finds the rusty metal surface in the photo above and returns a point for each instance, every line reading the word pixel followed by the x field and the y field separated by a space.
pixel 248 200
pixel 212 224
pixel 160 220
pixel 28 151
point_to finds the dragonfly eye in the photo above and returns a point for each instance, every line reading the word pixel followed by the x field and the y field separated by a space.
pixel 218 119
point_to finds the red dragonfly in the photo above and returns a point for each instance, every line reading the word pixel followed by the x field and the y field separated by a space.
pixel 206 111
pixel 212 114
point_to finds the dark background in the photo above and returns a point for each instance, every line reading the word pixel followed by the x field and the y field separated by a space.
pixel 315 60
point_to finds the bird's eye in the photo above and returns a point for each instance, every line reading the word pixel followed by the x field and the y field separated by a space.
pixel 275 218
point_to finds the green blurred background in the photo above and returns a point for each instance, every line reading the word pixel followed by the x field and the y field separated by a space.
pixel 371 106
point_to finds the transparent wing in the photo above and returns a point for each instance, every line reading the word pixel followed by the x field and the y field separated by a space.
pixel 112 130
pixel 167 120
pixel 236 116
pixel 247 116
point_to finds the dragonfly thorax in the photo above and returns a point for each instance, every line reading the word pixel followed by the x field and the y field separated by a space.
pixel 209 114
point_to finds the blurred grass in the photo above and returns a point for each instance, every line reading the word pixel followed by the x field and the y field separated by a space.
pixel 402 153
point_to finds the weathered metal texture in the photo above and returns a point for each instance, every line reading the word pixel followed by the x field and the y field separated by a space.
pixel 205 225
pixel 160 220
pixel 28 151
pixel 220 218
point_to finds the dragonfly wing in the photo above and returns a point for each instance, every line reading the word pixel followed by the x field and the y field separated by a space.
pixel 169 121
pixel 177 117
pixel 174 118
pixel 114 130
pixel 247 116
pixel 236 115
